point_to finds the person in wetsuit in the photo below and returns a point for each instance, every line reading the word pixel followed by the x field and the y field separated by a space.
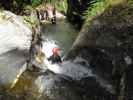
pixel 55 58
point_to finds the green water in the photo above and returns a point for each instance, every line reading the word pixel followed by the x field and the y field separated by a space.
pixel 62 33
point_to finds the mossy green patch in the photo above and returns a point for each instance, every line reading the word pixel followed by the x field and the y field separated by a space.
pixel 30 20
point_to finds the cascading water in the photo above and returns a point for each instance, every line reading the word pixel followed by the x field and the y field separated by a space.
pixel 70 69
pixel 69 80
pixel 66 68
pixel 59 36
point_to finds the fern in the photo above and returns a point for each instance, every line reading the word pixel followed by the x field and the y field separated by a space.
pixel 95 8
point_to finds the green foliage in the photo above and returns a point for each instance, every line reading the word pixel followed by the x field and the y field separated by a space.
pixel 30 20
pixel 96 7
pixel 17 6
pixel 28 7
pixel 61 6
pixel 130 2
pixel 35 3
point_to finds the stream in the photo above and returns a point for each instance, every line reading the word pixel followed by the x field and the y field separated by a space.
pixel 66 81
pixel 61 34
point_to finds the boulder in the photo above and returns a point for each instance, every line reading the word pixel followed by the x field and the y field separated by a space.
pixel 106 42
pixel 15 40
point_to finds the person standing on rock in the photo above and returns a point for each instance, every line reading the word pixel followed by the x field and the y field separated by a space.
pixel 53 20
pixel 47 15
pixel 37 13
pixel 42 13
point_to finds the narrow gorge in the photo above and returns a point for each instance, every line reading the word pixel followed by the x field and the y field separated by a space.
pixel 95 39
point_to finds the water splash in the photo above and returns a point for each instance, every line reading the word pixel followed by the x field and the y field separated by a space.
pixel 67 68
pixel 47 47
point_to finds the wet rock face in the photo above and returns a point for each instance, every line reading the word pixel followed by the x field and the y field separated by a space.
pixel 107 45
pixel 14 32
pixel 40 86
pixel 56 88
pixel 50 86
pixel 60 88
pixel 15 40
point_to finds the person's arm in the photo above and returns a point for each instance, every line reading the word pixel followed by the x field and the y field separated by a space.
pixel 59 58
pixel 50 58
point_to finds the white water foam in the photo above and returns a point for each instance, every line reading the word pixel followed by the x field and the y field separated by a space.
pixel 47 47
pixel 67 68
pixel 72 69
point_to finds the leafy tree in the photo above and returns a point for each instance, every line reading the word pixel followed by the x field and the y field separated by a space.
pixel 35 3
pixel 14 5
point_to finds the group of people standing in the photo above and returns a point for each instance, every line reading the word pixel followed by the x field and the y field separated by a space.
pixel 43 14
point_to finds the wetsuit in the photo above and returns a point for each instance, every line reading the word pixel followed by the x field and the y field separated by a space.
pixel 55 59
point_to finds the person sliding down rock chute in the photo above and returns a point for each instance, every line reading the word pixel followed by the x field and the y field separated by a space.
pixel 55 57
